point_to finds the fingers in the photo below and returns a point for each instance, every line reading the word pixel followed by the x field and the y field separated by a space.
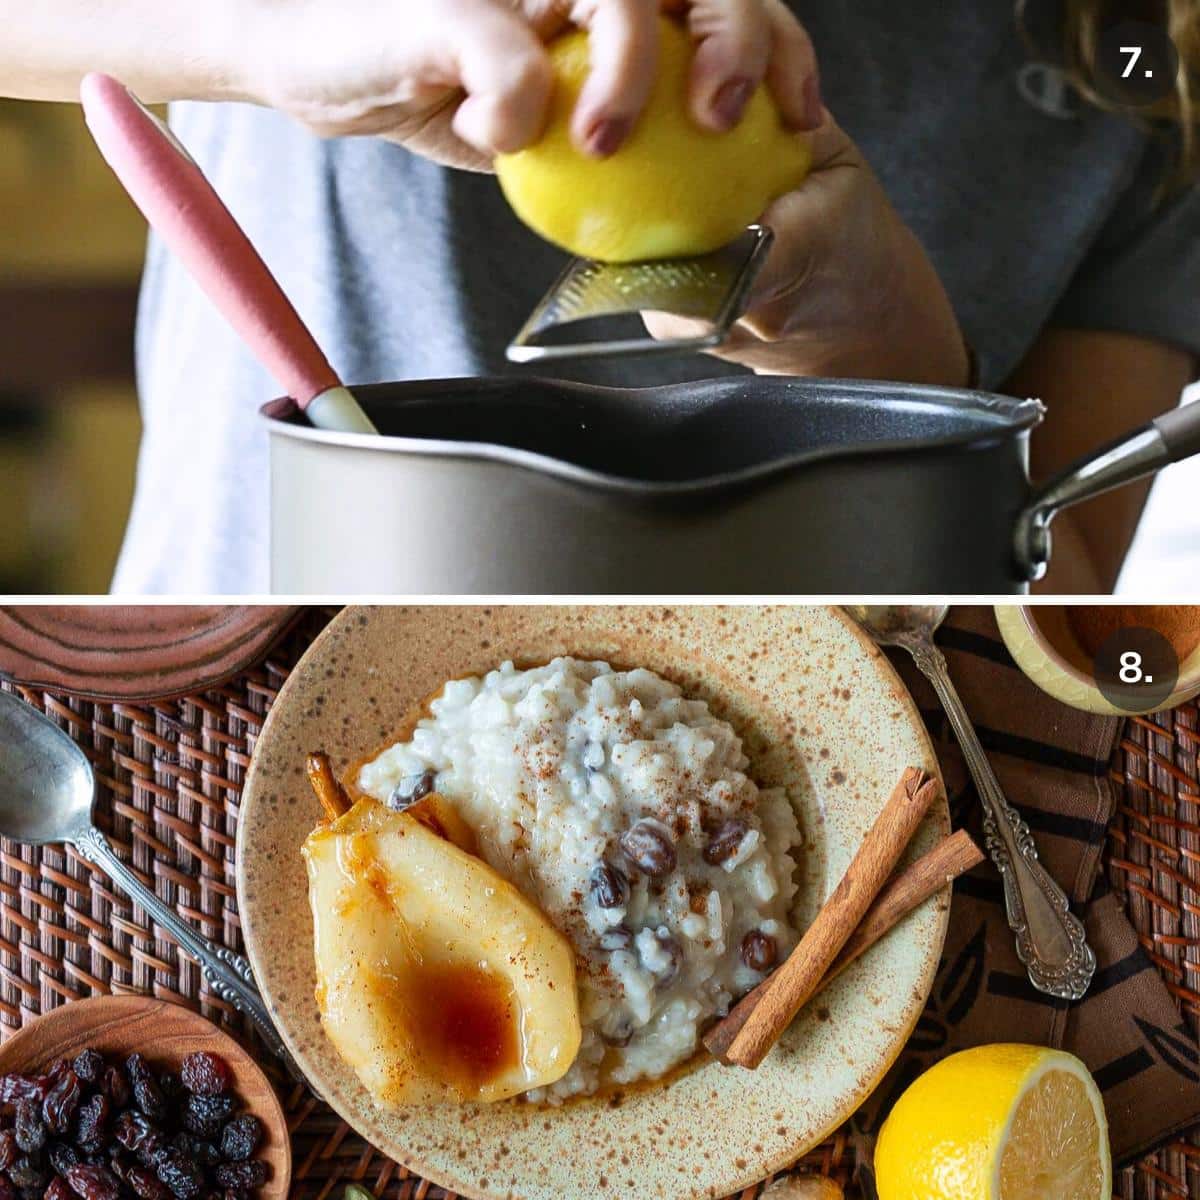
pixel 500 61
pixel 792 72
pixel 623 56
pixel 501 64
pixel 732 47
pixel 739 43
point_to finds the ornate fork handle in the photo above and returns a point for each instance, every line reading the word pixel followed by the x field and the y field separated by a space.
pixel 229 975
pixel 1051 941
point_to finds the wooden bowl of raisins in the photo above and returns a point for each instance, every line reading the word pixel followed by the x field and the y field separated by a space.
pixel 129 1096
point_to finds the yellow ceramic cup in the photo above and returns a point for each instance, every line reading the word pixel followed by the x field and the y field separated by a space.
pixel 1041 640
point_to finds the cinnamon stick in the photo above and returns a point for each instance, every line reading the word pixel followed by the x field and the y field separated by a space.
pixel 907 890
pixel 796 980
pixel 325 783
pixel 950 858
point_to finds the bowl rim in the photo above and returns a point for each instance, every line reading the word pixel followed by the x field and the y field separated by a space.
pixel 1189 668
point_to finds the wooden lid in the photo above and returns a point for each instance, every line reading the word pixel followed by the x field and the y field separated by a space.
pixel 135 652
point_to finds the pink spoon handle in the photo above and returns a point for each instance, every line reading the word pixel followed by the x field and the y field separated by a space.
pixel 182 207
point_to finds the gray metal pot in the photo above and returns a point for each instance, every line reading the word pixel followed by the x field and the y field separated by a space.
pixel 732 485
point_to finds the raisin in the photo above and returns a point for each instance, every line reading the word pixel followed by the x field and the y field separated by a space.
pixel 89 1066
pixel 119 1163
pixel 131 1129
pixel 116 1087
pixel 26 1173
pixel 62 1102
pixel 204 1115
pixel 94 1183
pixel 147 1095
pixel 648 846
pixel 412 788
pixel 618 1031
pixel 197 1149
pixel 241 1176
pixel 63 1156
pixel 92 1121
pixel 610 885
pixel 184 1178
pixel 172 1086
pixel 619 937
pixel 724 843
pixel 136 1067
pixel 759 951
pixel 240 1138
pixel 146 1185
pixel 674 952
pixel 205 1074
pixel 14 1088
pixel 30 1129
pixel 9 1150
pixel 154 1146
pixel 86 1129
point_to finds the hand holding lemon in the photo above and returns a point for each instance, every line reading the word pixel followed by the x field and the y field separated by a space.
pixel 674 189
pixel 847 289
pixel 459 81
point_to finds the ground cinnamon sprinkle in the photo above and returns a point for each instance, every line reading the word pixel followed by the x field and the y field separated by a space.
pixel 1094 624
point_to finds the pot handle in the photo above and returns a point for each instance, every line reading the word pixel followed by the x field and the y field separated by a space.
pixel 1165 440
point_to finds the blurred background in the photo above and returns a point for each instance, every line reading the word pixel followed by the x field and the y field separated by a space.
pixel 70 255
pixel 71 248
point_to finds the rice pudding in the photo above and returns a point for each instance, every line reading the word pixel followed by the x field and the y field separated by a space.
pixel 624 811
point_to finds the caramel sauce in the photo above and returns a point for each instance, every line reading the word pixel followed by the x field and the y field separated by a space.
pixel 464 1021
pixel 462 1018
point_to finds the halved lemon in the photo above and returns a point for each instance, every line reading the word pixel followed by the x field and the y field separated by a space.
pixel 1002 1122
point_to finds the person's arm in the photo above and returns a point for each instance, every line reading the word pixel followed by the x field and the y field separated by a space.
pixel 163 49
pixel 1096 386
pixel 456 80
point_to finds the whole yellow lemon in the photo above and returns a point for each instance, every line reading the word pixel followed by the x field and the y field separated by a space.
pixel 672 190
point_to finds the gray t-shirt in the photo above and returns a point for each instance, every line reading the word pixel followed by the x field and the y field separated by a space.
pixel 405 270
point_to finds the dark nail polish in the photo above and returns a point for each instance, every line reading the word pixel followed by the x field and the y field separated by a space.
pixel 605 136
pixel 730 101
pixel 813 108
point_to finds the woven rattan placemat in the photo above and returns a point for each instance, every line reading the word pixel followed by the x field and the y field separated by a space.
pixel 169 778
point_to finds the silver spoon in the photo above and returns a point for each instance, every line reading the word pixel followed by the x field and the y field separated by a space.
pixel 1050 939
pixel 47 788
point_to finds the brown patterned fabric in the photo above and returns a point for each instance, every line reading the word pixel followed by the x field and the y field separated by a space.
pixel 1052 762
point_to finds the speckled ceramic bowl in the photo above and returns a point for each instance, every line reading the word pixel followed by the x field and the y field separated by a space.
pixel 820 711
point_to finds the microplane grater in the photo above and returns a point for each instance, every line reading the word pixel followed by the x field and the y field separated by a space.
pixel 711 287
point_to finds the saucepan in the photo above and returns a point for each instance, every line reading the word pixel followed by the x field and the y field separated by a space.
pixel 732 485
pixel 514 485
